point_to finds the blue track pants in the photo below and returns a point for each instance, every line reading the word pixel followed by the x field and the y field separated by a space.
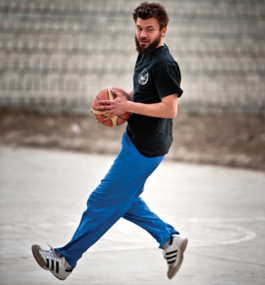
pixel 118 196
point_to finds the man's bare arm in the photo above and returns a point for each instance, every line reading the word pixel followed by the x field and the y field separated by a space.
pixel 167 108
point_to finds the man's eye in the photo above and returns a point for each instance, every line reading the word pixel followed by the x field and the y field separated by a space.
pixel 150 30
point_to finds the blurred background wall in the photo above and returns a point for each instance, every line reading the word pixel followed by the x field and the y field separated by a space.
pixel 57 54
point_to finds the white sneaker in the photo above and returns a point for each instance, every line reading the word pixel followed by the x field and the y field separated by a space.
pixel 173 254
pixel 53 261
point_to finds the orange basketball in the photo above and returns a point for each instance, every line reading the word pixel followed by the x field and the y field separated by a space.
pixel 106 94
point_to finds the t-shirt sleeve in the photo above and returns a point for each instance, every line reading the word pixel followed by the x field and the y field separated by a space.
pixel 167 81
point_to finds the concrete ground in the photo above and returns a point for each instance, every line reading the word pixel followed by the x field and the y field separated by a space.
pixel 221 211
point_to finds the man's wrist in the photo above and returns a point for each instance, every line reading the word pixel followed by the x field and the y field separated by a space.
pixel 130 106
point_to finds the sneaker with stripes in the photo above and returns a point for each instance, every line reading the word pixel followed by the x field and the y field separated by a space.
pixel 173 254
pixel 52 261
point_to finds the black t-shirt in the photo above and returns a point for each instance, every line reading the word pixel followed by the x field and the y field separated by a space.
pixel 155 76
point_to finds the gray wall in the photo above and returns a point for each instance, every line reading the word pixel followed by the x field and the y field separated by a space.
pixel 57 54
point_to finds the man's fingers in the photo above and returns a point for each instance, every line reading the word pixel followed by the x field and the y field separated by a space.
pixel 105 113
pixel 104 107
pixel 108 102
pixel 115 92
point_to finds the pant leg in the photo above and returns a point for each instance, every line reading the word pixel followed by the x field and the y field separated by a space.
pixel 140 214
pixel 111 199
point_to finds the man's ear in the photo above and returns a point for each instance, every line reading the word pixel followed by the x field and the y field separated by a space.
pixel 163 31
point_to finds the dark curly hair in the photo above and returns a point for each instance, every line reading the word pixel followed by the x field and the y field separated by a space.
pixel 152 10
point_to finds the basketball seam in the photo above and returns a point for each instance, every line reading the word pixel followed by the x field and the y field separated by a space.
pixel 110 94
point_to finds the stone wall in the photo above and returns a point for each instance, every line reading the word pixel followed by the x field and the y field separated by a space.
pixel 57 54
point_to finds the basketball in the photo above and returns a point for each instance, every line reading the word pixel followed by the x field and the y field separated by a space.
pixel 106 94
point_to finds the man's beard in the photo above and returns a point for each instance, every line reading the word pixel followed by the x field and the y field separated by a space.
pixel 147 50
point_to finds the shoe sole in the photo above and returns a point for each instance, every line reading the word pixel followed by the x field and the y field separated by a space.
pixel 175 269
pixel 39 259
pixel 35 251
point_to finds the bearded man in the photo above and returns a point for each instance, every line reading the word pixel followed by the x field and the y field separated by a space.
pixel 153 103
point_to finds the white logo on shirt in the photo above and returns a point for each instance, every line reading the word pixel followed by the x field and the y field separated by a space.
pixel 143 77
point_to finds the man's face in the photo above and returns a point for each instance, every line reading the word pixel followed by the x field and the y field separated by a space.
pixel 148 36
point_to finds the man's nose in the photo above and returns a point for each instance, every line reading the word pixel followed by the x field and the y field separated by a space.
pixel 143 34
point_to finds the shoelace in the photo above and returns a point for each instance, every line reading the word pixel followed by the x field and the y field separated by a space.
pixel 51 253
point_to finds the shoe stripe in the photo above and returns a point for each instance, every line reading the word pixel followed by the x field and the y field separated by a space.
pixel 52 266
pixel 170 262
pixel 57 267
pixel 171 257
pixel 171 252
